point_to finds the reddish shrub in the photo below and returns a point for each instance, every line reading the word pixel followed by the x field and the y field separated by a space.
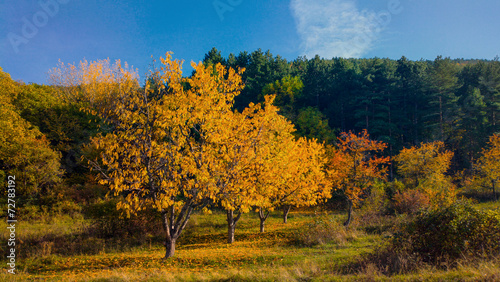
pixel 410 201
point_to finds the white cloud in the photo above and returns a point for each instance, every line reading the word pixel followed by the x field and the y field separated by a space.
pixel 335 28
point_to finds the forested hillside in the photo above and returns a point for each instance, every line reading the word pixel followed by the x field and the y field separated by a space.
pixel 400 102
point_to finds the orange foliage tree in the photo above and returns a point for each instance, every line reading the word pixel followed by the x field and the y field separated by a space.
pixel 353 168
pixel 488 164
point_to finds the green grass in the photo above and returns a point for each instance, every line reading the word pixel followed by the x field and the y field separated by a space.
pixel 202 254
pixel 490 205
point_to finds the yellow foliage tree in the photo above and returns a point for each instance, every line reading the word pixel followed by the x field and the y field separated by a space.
pixel 299 176
pixel 251 163
pixel 425 168
pixel 286 171
pixel 488 164
pixel 237 157
pixel 96 86
pixel 160 153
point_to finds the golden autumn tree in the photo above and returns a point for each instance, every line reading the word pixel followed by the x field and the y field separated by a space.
pixel 299 177
pixel 252 156
pixel 234 161
pixel 160 152
pixel 96 86
pixel 286 171
pixel 488 165
pixel 244 160
pixel 353 169
pixel 269 169
pixel 424 168
pixel 272 152
pixel 308 184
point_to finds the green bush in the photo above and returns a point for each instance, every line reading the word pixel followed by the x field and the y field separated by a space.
pixel 451 233
pixel 376 200
pixel 31 212
pixel 66 207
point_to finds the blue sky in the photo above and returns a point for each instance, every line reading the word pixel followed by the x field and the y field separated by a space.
pixel 35 34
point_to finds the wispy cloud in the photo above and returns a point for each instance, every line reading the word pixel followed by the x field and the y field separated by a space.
pixel 335 28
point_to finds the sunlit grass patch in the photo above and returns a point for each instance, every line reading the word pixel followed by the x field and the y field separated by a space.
pixel 491 205
pixel 52 226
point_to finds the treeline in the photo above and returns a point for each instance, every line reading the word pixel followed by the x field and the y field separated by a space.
pixel 400 102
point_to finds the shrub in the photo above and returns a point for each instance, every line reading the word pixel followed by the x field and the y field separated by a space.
pixel 410 201
pixel 31 212
pixel 109 222
pixel 440 237
pixel 66 207
pixel 388 259
pixel 375 201
pixel 477 188
pixel 87 193
pixel 450 233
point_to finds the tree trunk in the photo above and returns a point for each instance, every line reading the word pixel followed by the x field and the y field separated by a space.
pixel 231 225
pixel 170 247
pixel 262 224
pixel 349 213
pixel 493 182
pixel 471 157
pixel 391 167
pixel 317 97
pixel 262 218
pixel 173 225
pixel 286 210
pixel 170 233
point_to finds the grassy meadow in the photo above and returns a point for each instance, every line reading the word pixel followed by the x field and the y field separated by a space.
pixel 312 246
